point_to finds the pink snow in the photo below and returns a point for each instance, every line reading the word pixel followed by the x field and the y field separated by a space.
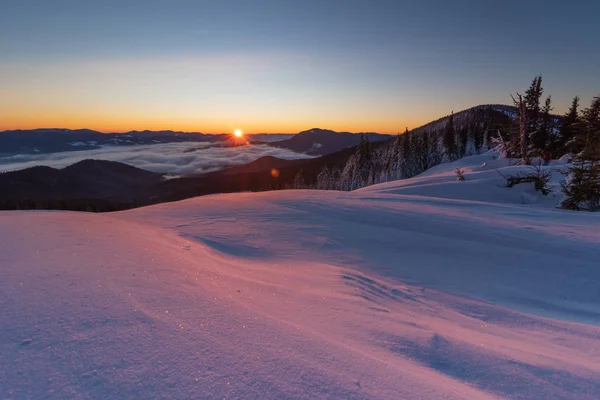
pixel 420 289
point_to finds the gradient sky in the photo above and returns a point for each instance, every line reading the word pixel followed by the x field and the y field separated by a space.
pixel 284 65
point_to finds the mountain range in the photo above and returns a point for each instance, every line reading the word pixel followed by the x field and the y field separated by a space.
pixel 59 140
pixel 95 185
pixel 313 142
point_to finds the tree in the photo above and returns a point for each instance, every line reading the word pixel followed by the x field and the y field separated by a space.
pixel 532 99
pixel 591 120
pixel 582 187
pixel 570 126
pixel 406 163
pixel 426 151
pixel 423 151
pixel 324 179
pixel 450 139
pixel 541 137
pixel 523 136
pixel 299 180
pixel 463 140
pixel 478 136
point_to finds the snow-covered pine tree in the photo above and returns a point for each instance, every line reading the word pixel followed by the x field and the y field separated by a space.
pixel 463 141
pixel 582 187
pixel 450 139
pixel 523 136
pixel 541 138
pixel 477 136
pixel 532 98
pixel 570 126
pixel 299 182
pixel 407 164
pixel 364 158
pixel 324 179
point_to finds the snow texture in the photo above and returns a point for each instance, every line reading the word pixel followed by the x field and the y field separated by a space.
pixel 425 288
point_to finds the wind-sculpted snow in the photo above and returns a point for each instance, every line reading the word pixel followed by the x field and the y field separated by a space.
pixel 372 294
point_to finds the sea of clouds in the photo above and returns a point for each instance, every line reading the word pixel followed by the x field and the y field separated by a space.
pixel 168 159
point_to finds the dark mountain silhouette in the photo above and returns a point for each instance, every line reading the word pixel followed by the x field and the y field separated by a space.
pixel 314 141
pixel 322 141
pixel 88 179
pixel 59 140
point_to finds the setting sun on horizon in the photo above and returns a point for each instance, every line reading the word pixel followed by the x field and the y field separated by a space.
pixel 238 133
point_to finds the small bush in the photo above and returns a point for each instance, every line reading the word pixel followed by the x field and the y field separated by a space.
pixel 539 177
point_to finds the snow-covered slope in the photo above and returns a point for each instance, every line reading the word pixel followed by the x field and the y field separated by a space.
pixel 425 288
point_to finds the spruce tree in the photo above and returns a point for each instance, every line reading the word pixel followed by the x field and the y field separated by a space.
pixel 450 139
pixel 518 143
pixel 299 180
pixel 582 188
pixel 478 136
pixel 541 137
pixel 324 179
pixel 532 99
pixel 570 126
pixel 364 160
pixel 463 140
pixel 423 151
pixel 407 145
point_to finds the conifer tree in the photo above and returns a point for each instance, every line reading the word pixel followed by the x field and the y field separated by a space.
pixel 364 158
pixel 397 156
pixel 450 139
pixel 570 127
pixel 541 137
pixel 582 188
pixel 520 141
pixel 423 151
pixel 463 140
pixel 407 146
pixel 299 180
pixel 478 136
pixel 324 179
pixel 532 99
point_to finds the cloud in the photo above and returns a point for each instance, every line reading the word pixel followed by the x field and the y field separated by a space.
pixel 171 158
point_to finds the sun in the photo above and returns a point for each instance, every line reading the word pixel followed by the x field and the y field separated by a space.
pixel 238 133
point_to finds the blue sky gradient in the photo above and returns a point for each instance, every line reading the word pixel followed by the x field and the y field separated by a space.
pixel 283 66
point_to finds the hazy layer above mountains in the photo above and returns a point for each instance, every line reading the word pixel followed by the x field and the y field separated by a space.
pixel 164 158
pixel 172 153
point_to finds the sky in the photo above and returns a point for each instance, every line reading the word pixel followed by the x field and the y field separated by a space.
pixel 279 66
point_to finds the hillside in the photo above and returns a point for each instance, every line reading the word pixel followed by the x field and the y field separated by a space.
pixel 88 179
pixel 424 288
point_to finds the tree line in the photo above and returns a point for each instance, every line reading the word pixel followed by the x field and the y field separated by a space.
pixel 528 131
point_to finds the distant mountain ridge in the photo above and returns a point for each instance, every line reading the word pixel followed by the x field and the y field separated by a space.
pixel 54 140
pixel 314 141
pixel 59 140
pixel 319 141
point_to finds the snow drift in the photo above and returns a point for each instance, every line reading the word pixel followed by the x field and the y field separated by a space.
pixel 420 289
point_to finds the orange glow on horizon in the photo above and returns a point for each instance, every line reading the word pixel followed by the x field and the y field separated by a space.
pixel 122 124
pixel 125 121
